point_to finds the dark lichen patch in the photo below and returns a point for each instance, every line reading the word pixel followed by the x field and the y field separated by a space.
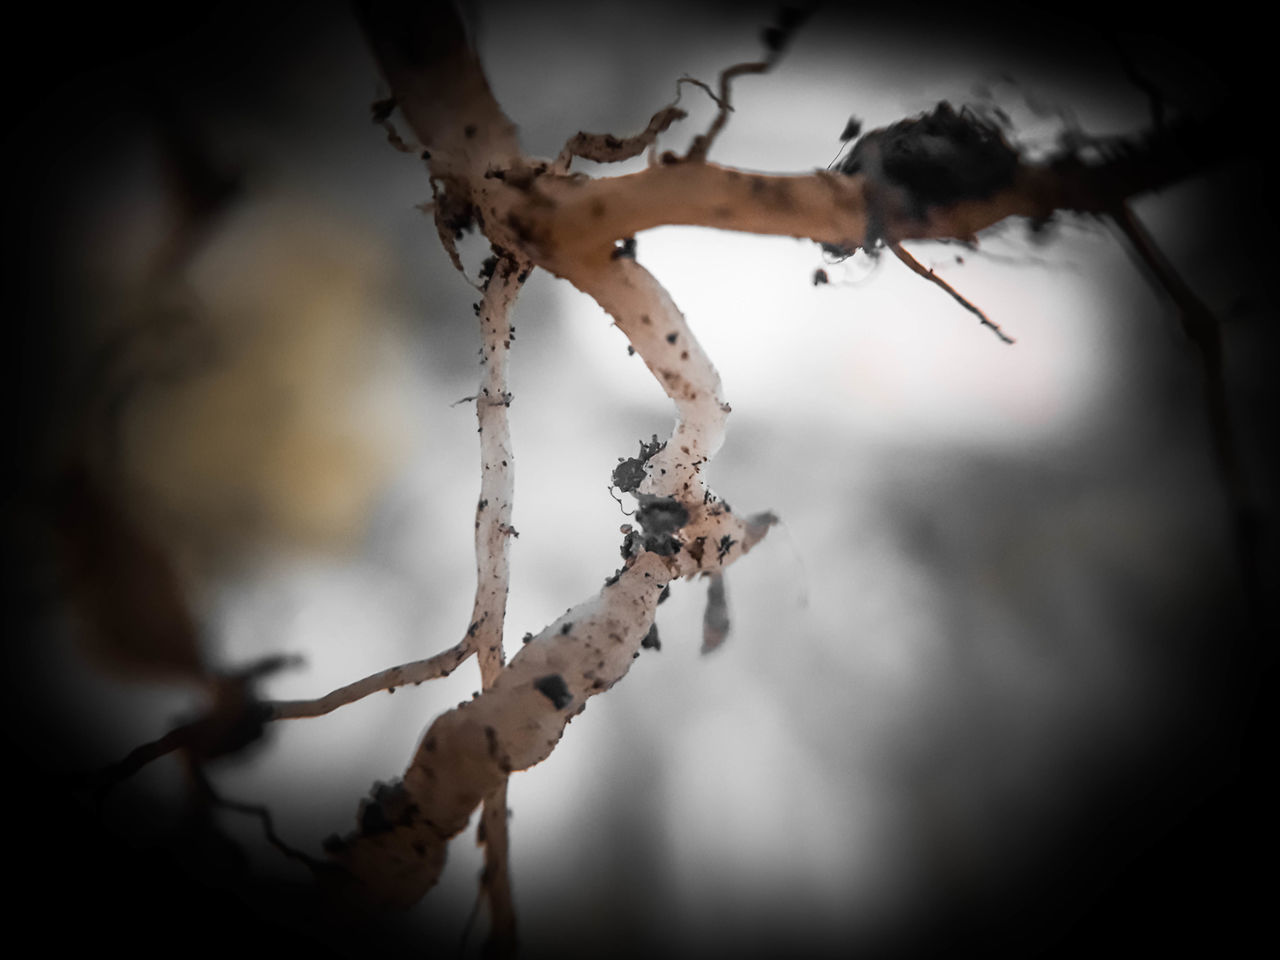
pixel 553 687
pixel 629 473
pixel 630 544
pixel 388 807
pixel 671 337
pixel 651 641
pixel 566 627
pixel 724 546
pixel 660 516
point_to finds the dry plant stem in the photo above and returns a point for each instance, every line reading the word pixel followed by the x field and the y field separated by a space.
pixel 441 665
pixel 901 253
pixel 657 329
pixel 493 533
pixel 606 148
pixel 702 144
pixel 493 523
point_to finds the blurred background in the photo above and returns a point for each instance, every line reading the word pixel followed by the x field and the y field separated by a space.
pixel 990 681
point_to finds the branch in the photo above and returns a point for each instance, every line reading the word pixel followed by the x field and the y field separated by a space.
pixel 606 148
pixel 468 752
pixel 419 671
pixel 902 254
pixel 437 81
pixel 493 549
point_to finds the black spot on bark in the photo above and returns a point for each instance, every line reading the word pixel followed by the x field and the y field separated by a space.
pixel 553 687
pixel 651 641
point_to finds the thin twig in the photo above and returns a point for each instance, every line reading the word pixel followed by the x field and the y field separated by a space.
pixel 441 665
pixel 262 814
pixel 493 568
pixel 929 275
pixel 702 143
pixel 606 148
pixel 775 37
pixel 1203 329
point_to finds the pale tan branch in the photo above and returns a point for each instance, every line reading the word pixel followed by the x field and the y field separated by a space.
pixel 419 671
pixel 493 568
pixel 467 753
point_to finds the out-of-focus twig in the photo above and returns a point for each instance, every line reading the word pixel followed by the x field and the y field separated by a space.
pixel 1204 331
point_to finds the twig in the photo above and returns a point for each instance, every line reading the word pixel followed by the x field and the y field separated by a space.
pixel 493 547
pixel 233 721
pixel 702 143
pixel 929 275
pixel 419 671
pixel 262 814
pixel 775 37
pixel 1203 329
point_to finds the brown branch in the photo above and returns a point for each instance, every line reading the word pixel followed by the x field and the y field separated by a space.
pixel 775 37
pixel 901 253
pixel 437 81
pixel 702 143
pixel 419 671
pixel 606 148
